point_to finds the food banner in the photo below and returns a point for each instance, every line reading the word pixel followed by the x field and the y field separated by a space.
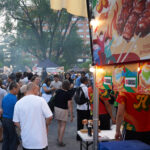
pixel 118 78
pixel 104 77
pixel 144 78
pixel 131 78
pixel 125 78
pixel 122 34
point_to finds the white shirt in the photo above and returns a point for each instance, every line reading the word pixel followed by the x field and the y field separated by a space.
pixel 85 90
pixel 30 112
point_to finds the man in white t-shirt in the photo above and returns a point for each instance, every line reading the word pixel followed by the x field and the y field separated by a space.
pixel 83 111
pixel 33 116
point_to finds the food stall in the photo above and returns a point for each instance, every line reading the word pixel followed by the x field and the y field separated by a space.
pixel 121 48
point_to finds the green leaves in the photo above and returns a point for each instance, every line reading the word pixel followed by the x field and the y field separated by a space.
pixel 41 31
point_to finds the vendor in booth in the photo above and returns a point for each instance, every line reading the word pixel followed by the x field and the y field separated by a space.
pixel 134 109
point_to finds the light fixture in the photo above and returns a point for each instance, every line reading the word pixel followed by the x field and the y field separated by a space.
pixel 100 70
pixel 92 69
pixel 94 22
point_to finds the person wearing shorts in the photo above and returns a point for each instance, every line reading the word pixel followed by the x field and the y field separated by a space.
pixel 63 102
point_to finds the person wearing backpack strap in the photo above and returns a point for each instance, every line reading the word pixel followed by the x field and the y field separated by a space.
pixel 83 110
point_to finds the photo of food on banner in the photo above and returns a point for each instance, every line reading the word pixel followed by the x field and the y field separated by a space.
pixel 104 77
pixel 144 78
pixel 122 34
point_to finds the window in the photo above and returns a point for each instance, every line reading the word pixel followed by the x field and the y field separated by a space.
pixel 87 42
pixel 80 30
pixel 82 36
pixel 87 30
pixel 74 19
pixel 80 25
pixel 87 36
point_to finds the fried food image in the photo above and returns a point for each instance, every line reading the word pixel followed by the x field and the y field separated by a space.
pixel 134 19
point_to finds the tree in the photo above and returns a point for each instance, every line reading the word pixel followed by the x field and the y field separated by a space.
pixel 1 56
pixel 41 31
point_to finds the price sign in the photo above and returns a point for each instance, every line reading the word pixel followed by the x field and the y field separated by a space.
pixel 131 82
pixel 108 80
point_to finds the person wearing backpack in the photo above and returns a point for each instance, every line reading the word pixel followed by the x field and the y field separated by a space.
pixel 83 110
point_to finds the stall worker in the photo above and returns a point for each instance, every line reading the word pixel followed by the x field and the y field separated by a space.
pixel 134 109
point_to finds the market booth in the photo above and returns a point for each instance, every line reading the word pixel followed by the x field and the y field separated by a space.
pixel 121 58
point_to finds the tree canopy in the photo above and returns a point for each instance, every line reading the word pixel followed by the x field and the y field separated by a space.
pixel 41 31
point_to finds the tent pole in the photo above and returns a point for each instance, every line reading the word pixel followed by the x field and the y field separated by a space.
pixel 89 13
pixel 95 113
pixel 95 90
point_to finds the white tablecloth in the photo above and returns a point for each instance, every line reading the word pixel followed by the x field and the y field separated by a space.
pixel 104 135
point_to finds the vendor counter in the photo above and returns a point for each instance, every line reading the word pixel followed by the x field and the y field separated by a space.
pixel 124 145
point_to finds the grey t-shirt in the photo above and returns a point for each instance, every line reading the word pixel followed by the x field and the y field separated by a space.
pixel 56 85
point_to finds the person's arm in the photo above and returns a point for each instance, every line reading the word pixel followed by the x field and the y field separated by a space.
pixel 70 109
pixel 16 117
pixel 119 119
pixel 1 112
pixel 48 121
pixel 47 113
pixel 47 91
pixel 109 110
pixel 17 124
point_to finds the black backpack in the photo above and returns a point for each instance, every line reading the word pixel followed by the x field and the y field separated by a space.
pixel 79 96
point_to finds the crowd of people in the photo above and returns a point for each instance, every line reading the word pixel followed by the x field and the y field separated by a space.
pixel 25 104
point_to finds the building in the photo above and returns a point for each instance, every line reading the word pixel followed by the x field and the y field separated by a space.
pixel 83 29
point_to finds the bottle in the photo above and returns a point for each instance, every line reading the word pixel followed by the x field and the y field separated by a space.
pixel 89 128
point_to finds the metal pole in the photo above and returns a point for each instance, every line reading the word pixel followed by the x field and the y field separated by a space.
pixel 95 113
pixel 89 13
pixel 95 90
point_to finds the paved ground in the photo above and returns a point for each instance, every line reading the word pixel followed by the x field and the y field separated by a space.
pixel 69 137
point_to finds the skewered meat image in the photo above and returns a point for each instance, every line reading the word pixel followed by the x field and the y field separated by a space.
pixel 129 28
pixel 143 24
pixel 134 18
pixel 125 13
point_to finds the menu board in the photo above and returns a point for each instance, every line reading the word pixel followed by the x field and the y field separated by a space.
pixel 122 34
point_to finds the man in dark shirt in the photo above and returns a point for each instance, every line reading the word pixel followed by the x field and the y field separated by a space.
pixel 10 139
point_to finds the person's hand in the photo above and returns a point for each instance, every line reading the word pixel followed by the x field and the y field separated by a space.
pixel 53 88
pixel 1 112
pixel 113 120
pixel 118 135
pixel 47 130
pixel 71 118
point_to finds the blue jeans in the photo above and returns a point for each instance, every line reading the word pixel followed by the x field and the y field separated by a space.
pixel 10 138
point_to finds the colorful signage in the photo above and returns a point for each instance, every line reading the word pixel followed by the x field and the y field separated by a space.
pixel 144 78
pixel 123 31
